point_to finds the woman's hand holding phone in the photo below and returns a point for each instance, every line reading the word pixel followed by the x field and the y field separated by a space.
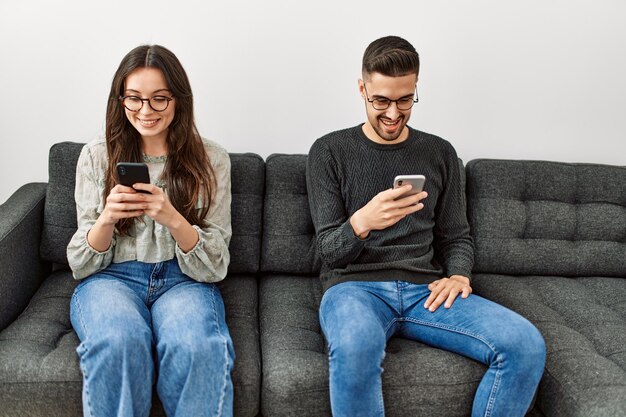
pixel 134 196
pixel 125 200
pixel 159 208
pixel 122 202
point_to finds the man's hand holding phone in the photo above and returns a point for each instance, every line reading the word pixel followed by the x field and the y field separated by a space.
pixel 386 209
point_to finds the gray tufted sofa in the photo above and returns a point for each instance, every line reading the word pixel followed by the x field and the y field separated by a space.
pixel 550 244
pixel 39 371
pixel 418 380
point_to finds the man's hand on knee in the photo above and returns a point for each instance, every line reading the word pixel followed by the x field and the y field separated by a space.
pixel 446 290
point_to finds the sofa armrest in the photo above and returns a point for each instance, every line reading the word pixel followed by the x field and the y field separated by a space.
pixel 21 269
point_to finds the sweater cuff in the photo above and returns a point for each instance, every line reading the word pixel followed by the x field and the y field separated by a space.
pixel 459 271
pixel 348 225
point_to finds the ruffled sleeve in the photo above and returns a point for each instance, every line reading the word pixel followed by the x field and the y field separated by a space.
pixel 90 173
pixel 208 260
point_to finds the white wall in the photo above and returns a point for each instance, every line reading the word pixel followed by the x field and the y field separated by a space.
pixel 533 79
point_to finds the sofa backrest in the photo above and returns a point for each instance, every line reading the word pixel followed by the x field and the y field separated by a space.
pixel 547 218
pixel 289 244
pixel 288 232
pixel 247 188
pixel 248 181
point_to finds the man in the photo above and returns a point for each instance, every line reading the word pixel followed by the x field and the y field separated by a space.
pixel 402 266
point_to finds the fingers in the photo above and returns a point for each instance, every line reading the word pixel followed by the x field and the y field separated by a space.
pixel 384 210
pixel 149 188
pixel 433 285
pixel 414 198
pixel 393 194
pixel 128 213
pixel 122 189
pixel 119 211
pixel 398 209
pixel 124 202
pixel 436 298
pixel 445 291
pixel 466 292
pixel 410 204
pixel 451 297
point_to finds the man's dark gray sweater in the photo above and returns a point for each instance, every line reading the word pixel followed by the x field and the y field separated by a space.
pixel 345 170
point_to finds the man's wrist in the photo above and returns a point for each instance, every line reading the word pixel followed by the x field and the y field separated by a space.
pixel 461 278
pixel 357 229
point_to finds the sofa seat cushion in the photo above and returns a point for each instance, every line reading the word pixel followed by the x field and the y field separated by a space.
pixel 418 380
pixel 39 367
pixel 583 321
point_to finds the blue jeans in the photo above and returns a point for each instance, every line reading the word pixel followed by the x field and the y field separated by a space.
pixel 139 323
pixel 359 317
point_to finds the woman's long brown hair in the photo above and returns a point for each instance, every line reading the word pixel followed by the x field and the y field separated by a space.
pixel 188 174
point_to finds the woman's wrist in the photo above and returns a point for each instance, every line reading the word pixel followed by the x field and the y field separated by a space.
pixel 185 235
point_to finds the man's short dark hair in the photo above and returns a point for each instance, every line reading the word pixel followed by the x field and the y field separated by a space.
pixel 391 56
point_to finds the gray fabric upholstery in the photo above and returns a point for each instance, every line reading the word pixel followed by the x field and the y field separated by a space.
pixel 418 380
pixel 247 176
pixel 39 372
pixel 583 321
pixel 240 293
pixel 20 230
pixel 248 182
pixel 288 233
pixel 548 218
pixel 551 245
pixel 60 212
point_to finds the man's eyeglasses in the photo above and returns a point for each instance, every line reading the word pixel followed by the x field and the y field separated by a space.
pixel 156 103
pixel 383 103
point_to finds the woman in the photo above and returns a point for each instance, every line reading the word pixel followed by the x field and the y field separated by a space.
pixel 147 309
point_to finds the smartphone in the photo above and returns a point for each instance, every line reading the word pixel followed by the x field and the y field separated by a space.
pixel 129 173
pixel 416 181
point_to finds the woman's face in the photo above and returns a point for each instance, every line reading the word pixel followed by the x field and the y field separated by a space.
pixel 149 84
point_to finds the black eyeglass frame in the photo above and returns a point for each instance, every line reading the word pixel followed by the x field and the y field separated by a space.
pixel 122 98
pixel 389 101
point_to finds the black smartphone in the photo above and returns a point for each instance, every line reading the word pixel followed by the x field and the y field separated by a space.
pixel 129 173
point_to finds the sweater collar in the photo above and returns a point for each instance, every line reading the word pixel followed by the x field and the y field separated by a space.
pixel 379 146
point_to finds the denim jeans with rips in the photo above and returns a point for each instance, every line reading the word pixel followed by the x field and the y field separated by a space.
pixel 142 323
pixel 359 317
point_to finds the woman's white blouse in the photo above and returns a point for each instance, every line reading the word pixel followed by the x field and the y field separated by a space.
pixel 149 241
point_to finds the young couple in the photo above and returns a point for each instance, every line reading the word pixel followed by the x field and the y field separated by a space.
pixel 147 310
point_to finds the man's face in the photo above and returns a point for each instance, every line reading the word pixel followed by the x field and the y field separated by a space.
pixel 387 126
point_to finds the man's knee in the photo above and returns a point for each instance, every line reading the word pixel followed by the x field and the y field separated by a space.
pixel 356 344
pixel 524 344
